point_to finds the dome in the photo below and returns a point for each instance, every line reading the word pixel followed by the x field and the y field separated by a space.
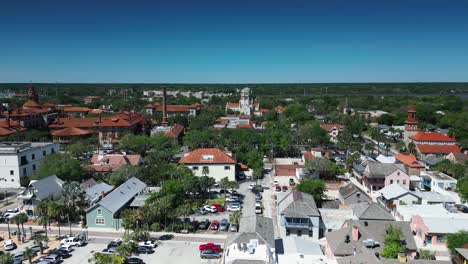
pixel 246 90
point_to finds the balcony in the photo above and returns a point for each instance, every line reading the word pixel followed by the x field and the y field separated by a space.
pixel 302 223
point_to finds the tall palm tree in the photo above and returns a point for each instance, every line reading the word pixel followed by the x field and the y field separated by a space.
pixel 19 219
pixel 8 225
pixel 72 195
pixel 55 210
pixel 29 253
pixel 43 209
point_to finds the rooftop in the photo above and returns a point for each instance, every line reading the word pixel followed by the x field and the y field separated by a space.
pixel 409 160
pixel 436 225
pixel 18 147
pixel 393 191
pixel 298 204
pixel 438 149
pixel 207 156
pixel 371 211
pixel 432 137
pixel 437 175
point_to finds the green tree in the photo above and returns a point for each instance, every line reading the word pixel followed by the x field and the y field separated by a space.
pixel 205 171
pixel 107 259
pixel 314 187
pixel 62 165
pixel 318 166
pixel 391 251
pixel 71 197
pixel 457 240
pixel 29 253
pixel 42 208
pixel 6 258
pixel 19 219
pixel 426 254
pixel 393 242
pixel 56 210
pixel 38 241
pixel 234 217
pixel 462 188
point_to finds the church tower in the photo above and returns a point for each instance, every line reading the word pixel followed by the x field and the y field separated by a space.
pixel 245 103
pixel 411 123
pixel 32 95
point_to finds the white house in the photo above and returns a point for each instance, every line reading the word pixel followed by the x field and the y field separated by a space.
pixel 211 162
pixel 22 159
pixel 437 181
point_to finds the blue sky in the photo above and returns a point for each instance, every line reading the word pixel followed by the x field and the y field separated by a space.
pixel 233 41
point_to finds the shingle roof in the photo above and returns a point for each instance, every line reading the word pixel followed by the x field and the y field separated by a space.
pixel 48 188
pixel 381 170
pixel 432 159
pixel 98 189
pixel 120 196
pixel 368 229
pixel 264 232
pixel 393 191
pixel 463 252
pixel 434 197
pixel 207 156
pixel 436 225
pixel 371 211
pixel 298 204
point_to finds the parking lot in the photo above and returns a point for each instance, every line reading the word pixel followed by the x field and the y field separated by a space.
pixel 167 252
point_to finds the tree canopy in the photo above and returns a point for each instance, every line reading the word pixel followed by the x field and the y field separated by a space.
pixel 62 165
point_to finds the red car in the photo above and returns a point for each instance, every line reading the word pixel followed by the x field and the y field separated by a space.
pixel 218 207
pixel 210 246
pixel 214 225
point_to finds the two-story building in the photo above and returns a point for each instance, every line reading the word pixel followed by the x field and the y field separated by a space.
pixel 350 194
pixel 49 188
pixel 106 212
pixel 436 181
pixel 298 215
pixel 378 175
pixel 21 159
pixel 211 162
pixel 333 130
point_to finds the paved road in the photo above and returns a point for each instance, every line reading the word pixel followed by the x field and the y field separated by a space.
pixel 247 221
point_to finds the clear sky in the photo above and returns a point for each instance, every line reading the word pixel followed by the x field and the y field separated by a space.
pixel 233 41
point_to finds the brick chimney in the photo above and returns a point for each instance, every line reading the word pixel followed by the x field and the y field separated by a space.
pixel 164 113
pixel 355 233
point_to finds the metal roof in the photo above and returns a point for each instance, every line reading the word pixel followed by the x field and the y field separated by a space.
pixel 119 197
pixel 298 204
pixel 48 188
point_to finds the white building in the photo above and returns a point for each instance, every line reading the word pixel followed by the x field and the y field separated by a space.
pixel 211 162
pixel 246 105
pixel 22 159
pixel 437 181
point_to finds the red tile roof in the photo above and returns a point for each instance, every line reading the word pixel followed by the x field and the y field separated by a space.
pixel 76 109
pixel 122 119
pixel 236 105
pixel 437 149
pixel 280 109
pixel 6 131
pixel 31 103
pixel 175 131
pixel 71 131
pixel 111 162
pixel 93 97
pixel 433 137
pixel 10 128
pixel 207 156
pixel 308 155
pixel 97 111
pixel 263 110
pixel 409 160
pixel 286 170
pixel 173 108
pixel 330 127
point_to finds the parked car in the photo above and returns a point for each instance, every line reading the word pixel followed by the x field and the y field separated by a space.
pixel 232 191
pixel 13 211
pixel 258 204
pixel 209 254
pixel 72 241
pixel 234 228
pixel 203 211
pixel 114 243
pixel 210 246
pixel 285 188
pixel 134 260
pixel 204 224
pixel 61 253
pixel 223 225
pixel 232 199
pixel 53 258
pixel 214 225
pixel 195 225
pixel 67 248
pixel 258 196
pixel 147 243
pixel 278 188
pixel 110 250
pixel 210 208
pixel 251 186
pixel 9 245
pixel 218 207
pixel 258 210
pixel 144 250
pixel 233 208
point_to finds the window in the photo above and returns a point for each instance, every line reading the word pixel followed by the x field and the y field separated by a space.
pixel 195 168
pixel 100 221
pixel 440 239
pixel 52 150
pixel 33 156
pixel 404 182
pixel 227 167
pixel 391 181
pixel 44 153
pixel 34 167
pixel 397 181
pixel 25 172
pixel 398 173
pixel 99 211
pixel 12 172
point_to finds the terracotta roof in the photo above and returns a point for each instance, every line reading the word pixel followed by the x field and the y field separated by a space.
pixel 71 131
pixel 330 127
pixel 287 170
pixel 122 119
pixel 408 160
pixel 263 110
pixel 11 128
pixel 174 131
pixel 308 155
pixel 96 111
pixel 111 162
pixel 233 105
pixel 76 109
pixel 243 166
pixel 173 108
pixel 435 137
pixel 31 103
pixel 92 97
pixel 280 109
pixel 207 156
pixel 48 104
pixel 438 149
pixel 245 116
pixel 6 131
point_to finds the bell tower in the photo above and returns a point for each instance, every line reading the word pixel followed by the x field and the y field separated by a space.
pixel 411 123
pixel 32 95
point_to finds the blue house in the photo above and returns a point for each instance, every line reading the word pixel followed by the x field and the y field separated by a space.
pixel 106 213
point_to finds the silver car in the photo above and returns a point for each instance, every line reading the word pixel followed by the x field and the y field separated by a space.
pixel 224 225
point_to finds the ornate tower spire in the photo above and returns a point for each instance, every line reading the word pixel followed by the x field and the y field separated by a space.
pixel 32 95
pixel 411 122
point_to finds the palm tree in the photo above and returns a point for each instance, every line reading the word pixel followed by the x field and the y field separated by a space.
pixel 38 240
pixel 72 195
pixel 43 208
pixel 184 210
pixel 6 258
pixel 29 253
pixel 8 225
pixel 411 147
pixel 55 210
pixel 20 219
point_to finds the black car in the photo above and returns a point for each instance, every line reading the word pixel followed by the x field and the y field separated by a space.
pixel 114 244
pixel 209 254
pixel 204 224
pixel 134 260
pixel 61 253
pixel 144 250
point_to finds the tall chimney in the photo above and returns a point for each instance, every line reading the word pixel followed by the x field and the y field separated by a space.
pixel 355 233
pixel 164 114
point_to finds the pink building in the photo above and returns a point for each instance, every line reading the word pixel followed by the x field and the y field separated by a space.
pixel 378 175
pixel 434 230
pixel 399 177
